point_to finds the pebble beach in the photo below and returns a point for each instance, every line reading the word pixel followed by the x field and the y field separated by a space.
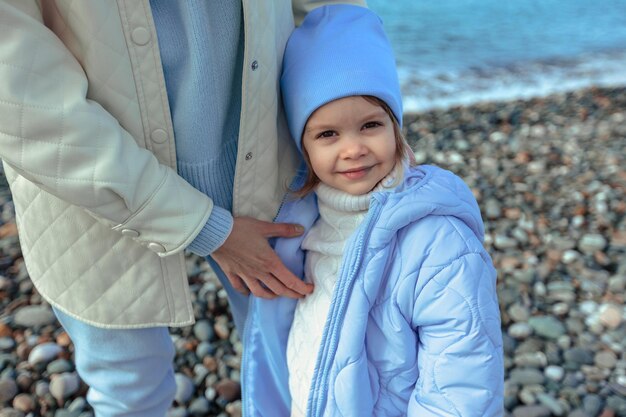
pixel 549 175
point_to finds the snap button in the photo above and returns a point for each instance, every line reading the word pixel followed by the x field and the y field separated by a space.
pixel 140 36
pixel 255 65
pixel 158 136
pixel 130 233
pixel 156 247
pixel 248 156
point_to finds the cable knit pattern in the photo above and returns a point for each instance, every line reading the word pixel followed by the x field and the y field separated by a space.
pixel 340 215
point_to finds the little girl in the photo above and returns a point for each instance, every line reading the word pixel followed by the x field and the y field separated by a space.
pixel 404 317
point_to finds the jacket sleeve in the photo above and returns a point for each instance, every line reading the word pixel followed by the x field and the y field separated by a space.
pixel 302 7
pixel 53 135
pixel 460 358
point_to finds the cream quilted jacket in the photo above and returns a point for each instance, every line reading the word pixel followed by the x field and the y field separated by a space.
pixel 88 149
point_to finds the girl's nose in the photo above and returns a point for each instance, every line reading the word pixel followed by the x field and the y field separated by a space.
pixel 352 148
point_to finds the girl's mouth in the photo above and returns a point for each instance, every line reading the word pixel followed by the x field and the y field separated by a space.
pixel 357 173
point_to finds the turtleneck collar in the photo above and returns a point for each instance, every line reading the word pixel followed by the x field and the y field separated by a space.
pixel 346 202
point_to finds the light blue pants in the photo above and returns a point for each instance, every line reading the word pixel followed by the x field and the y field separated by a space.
pixel 130 371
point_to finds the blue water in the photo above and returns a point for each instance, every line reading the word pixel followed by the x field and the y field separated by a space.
pixel 453 52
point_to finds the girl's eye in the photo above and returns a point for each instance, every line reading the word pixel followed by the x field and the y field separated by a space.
pixel 371 125
pixel 326 134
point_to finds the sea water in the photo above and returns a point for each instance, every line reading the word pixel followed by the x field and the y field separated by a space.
pixel 452 52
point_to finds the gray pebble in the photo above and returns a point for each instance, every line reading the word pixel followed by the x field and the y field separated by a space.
pixel 591 243
pixel 11 412
pixel 531 360
pixel 64 385
pixel 63 412
pixel 504 242
pixel 44 353
pixel 199 407
pixel 592 404
pixel 617 403
pixel 184 388
pixel 42 388
pixel 205 349
pixel 34 316
pixel 554 372
pixel 8 390
pixel 547 326
pixel 580 413
pixel 6 344
pixel 552 403
pixel 526 376
pixel 531 411
pixel 605 359
pixel 570 256
pixel 79 404
pixel 617 284
pixel 528 395
pixel 59 366
pixel 519 330
pixel 518 312
pixel 177 412
pixel 210 393
pixel 203 331
pixel 578 356
pixel 492 209
pixel 200 373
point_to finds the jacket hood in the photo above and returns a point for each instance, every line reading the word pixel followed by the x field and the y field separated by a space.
pixel 429 191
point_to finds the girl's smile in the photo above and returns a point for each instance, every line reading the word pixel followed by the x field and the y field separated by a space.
pixel 356 173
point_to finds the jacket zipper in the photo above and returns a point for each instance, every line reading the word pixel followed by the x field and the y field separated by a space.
pixel 246 359
pixel 329 343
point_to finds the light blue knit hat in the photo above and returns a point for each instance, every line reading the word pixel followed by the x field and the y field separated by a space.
pixel 338 51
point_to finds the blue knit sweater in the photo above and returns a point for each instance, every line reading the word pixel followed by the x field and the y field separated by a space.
pixel 201 45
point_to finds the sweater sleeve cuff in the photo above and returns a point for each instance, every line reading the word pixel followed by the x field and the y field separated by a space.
pixel 214 233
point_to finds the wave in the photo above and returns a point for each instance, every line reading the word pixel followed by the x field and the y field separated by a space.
pixel 429 89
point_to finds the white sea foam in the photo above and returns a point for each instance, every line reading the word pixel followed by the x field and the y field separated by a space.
pixel 428 89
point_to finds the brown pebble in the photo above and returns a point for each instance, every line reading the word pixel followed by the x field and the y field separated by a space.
pixel 619 239
pixel 234 409
pixel 554 255
pixel 607 412
pixel 210 363
pixel 601 258
pixel 509 263
pixel 512 213
pixel 24 402
pixel 228 389
pixel 24 381
pixel 221 329
pixel 23 350
pixel 523 158
pixel 63 339
pixel 190 345
pixel 5 331
pixel 8 229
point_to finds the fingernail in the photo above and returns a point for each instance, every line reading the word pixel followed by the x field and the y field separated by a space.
pixel 299 229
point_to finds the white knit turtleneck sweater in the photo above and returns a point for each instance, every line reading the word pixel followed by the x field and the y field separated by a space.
pixel 340 214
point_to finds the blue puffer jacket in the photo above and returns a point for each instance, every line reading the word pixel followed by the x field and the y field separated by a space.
pixel 413 327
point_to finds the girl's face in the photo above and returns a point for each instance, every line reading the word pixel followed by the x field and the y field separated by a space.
pixel 351 144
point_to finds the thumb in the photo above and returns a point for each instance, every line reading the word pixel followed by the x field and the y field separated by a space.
pixel 283 230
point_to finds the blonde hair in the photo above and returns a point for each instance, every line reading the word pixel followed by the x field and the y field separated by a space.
pixel 402 149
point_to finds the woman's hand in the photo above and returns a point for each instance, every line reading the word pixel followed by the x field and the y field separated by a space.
pixel 250 263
